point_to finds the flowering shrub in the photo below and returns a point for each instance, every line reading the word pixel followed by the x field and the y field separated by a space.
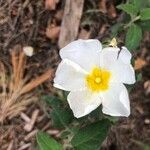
pixel 93 79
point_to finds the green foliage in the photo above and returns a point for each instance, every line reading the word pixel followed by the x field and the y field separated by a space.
pixel 52 101
pixel 91 136
pixel 60 115
pixel 115 29
pixel 137 3
pixel 145 14
pixel 139 13
pixel 97 113
pixel 145 25
pixel 140 4
pixel 46 142
pixel 129 9
pixel 138 76
pixel 88 132
pixel 133 37
pixel 85 133
pixel 146 147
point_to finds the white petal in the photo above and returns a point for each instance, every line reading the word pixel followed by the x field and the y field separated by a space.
pixel 83 52
pixel 125 55
pixel 116 101
pixel 83 102
pixel 69 76
pixel 110 55
pixel 122 73
pixel 119 64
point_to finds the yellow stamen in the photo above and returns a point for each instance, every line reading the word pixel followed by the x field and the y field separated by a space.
pixel 98 79
pixel 113 42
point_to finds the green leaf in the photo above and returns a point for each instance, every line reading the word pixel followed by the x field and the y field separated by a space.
pixel 133 37
pixel 46 142
pixel 116 28
pixel 145 14
pixel 91 136
pixel 146 147
pixel 137 3
pixel 96 114
pixel 52 101
pixel 145 4
pixel 145 25
pixel 128 8
pixel 138 76
pixel 140 4
pixel 61 117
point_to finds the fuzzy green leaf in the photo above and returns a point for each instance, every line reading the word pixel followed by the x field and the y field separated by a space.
pixel 52 101
pixel 91 136
pixel 46 142
pixel 145 14
pixel 61 117
pixel 115 29
pixel 128 8
pixel 137 3
pixel 133 37
pixel 145 25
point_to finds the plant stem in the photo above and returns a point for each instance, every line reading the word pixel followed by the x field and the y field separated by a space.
pixel 132 21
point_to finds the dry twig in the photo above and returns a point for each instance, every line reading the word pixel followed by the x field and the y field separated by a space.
pixel 30 135
pixel 28 127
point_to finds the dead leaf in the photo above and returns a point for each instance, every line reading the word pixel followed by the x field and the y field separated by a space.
pixel 52 32
pixel 139 63
pixel 147 87
pixel 51 4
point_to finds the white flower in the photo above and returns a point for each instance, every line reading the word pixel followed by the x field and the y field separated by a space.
pixel 95 76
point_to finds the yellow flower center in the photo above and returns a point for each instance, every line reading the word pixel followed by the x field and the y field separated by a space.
pixel 98 79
